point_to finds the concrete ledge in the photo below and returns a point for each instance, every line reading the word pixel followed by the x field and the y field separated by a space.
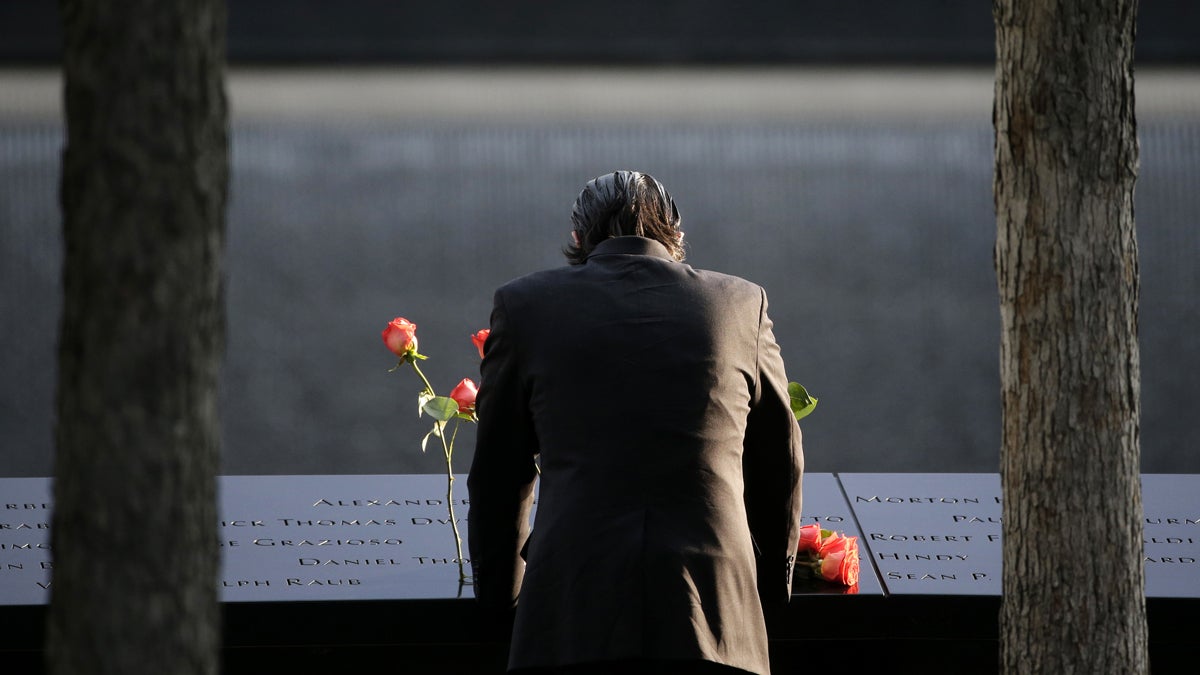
pixel 538 95
pixel 929 591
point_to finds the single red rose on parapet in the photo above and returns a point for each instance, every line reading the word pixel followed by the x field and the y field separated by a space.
pixel 839 560
pixel 400 336
pixel 479 338
pixel 464 395
pixel 810 539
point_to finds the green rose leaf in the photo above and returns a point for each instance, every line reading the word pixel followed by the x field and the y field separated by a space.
pixel 441 408
pixel 802 402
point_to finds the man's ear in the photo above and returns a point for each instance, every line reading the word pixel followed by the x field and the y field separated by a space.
pixel 575 238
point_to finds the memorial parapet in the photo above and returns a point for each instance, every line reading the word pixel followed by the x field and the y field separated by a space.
pixel 387 537
pixel 314 538
pixel 342 561
pixel 282 538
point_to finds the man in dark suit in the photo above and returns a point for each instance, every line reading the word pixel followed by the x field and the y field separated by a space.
pixel 654 398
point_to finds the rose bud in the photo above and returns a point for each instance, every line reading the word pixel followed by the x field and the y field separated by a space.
pixel 400 336
pixel 464 395
pixel 833 542
pixel 480 338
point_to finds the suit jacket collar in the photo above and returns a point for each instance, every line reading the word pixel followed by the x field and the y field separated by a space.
pixel 630 245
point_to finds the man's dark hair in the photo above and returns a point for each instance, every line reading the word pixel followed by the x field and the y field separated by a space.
pixel 623 203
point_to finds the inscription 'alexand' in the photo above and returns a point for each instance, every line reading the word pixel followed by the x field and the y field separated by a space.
pixel 389 502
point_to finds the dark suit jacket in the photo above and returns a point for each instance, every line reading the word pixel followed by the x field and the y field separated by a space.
pixel 670 460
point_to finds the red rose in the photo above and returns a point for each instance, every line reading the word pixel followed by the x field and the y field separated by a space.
pixel 839 560
pixel 810 539
pixel 849 570
pixel 480 338
pixel 464 395
pixel 400 336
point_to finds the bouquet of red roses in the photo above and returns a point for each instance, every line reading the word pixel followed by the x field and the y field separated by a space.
pixel 827 555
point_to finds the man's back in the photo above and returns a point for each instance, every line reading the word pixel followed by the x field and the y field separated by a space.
pixel 644 385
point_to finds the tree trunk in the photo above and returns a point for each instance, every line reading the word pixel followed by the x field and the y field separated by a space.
pixel 1067 269
pixel 144 182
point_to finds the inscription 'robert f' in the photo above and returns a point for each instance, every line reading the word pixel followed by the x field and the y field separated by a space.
pixel 877 536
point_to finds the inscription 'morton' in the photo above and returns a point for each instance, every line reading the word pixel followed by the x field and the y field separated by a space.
pixel 917 500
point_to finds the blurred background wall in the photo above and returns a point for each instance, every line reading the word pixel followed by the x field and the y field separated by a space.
pixel 394 158
pixel 618 31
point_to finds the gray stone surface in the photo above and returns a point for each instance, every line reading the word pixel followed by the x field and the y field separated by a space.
pixel 289 538
pixel 930 534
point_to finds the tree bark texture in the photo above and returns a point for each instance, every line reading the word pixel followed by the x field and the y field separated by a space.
pixel 143 192
pixel 1067 269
